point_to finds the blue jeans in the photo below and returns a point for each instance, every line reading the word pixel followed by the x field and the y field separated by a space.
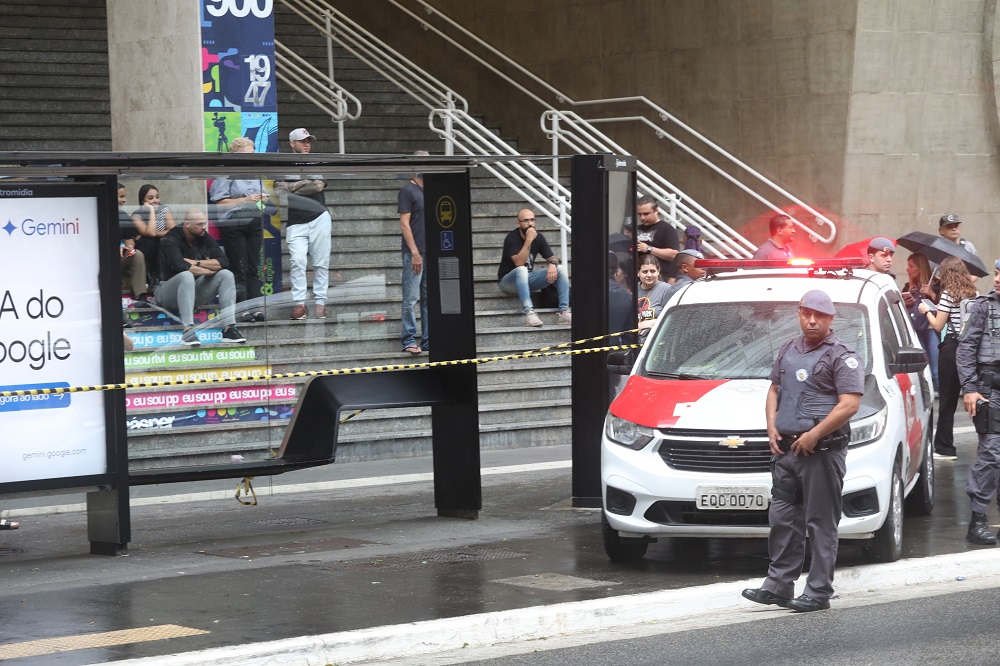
pixel 929 340
pixel 411 284
pixel 519 281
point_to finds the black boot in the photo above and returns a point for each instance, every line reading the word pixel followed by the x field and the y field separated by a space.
pixel 979 531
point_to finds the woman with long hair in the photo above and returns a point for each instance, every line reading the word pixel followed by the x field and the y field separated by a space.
pixel 956 286
pixel 152 220
pixel 918 287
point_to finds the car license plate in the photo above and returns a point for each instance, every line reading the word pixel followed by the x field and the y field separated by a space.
pixel 740 498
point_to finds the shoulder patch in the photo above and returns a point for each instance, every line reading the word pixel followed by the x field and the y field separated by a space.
pixel 851 362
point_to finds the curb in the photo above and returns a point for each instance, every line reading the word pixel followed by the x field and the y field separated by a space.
pixel 540 622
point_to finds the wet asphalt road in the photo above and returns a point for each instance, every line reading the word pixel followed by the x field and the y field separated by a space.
pixel 333 560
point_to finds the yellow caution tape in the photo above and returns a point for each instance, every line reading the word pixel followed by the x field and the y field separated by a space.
pixel 542 352
pixel 246 487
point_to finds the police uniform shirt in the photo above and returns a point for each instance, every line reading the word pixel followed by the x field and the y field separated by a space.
pixel 811 381
pixel 978 342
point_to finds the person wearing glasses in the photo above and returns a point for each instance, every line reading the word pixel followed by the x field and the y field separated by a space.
pixel 518 275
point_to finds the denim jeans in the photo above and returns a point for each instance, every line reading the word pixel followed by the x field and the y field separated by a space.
pixel 520 282
pixel 414 288
pixel 929 340
pixel 314 238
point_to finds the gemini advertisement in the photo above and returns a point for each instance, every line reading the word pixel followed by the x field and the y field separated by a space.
pixel 50 335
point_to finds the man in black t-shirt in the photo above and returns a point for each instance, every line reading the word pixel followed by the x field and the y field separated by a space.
pixel 656 237
pixel 517 277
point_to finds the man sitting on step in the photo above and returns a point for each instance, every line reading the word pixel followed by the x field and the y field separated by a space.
pixel 194 270
pixel 517 277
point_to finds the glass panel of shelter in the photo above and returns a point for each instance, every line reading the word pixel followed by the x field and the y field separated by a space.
pixel 356 323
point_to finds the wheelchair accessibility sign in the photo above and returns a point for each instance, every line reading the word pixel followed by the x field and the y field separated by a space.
pixel 447 241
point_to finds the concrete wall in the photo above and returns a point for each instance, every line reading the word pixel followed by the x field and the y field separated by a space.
pixel 154 53
pixel 883 112
pixel 922 126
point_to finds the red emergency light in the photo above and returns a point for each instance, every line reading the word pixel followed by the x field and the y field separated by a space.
pixel 835 263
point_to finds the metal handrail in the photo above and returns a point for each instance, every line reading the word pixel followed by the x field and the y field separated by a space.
pixel 316 87
pixel 820 218
pixel 388 62
pixel 460 131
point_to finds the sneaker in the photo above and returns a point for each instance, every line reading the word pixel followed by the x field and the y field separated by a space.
pixel 189 337
pixel 299 312
pixel 232 334
pixel 320 311
pixel 945 455
pixel 565 318
pixel 531 319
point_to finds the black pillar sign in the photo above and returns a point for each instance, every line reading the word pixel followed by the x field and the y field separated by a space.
pixel 448 226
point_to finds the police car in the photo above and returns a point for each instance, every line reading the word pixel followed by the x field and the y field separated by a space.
pixel 685 449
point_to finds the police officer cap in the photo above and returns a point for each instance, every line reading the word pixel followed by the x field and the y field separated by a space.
pixel 818 301
pixel 881 244
pixel 950 218
pixel 692 253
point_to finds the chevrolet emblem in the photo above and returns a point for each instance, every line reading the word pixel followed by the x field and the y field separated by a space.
pixel 732 442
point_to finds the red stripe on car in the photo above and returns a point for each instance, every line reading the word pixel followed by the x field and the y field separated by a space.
pixel 653 402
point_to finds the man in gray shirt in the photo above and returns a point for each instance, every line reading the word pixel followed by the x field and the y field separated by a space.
pixel 778 246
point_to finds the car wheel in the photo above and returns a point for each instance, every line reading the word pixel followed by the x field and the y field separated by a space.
pixel 887 544
pixel 921 499
pixel 617 548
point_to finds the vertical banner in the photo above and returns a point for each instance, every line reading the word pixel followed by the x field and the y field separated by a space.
pixel 50 334
pixel 240 95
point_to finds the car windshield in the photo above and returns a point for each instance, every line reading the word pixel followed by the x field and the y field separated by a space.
pixel 738 340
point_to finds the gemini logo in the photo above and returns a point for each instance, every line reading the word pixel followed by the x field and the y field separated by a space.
pixel 29 227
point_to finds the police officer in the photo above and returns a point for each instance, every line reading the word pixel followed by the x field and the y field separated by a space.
pixel 978 360
pixel 816 387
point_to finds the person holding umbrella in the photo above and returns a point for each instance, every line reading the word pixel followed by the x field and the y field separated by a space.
pixel 956 287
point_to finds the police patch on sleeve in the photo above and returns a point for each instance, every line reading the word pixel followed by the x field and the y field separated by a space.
pixel 801 374
pixel 851 362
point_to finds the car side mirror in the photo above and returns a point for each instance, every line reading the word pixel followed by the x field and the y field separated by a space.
pixel 908 359
pixel 621 362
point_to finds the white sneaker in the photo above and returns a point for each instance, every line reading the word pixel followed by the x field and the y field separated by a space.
pixel 565 318
pixel 531 319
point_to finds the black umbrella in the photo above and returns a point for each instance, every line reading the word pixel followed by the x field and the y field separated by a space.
pixel 939 248
pixel 619 243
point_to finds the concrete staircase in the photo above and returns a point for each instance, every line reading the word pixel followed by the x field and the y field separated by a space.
pixel 522 403
pixel 54 88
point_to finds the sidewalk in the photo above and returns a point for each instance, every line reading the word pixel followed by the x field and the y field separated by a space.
pixel 337 564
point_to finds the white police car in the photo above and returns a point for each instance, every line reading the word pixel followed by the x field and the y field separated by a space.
pixel 685 449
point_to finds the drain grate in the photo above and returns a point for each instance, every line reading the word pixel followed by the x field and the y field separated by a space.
pixel 7 551
pixel 288 522
pixel 426 558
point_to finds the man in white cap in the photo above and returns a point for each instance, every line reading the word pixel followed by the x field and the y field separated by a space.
pixel 880 252
pixel 307 231
pixel 816 386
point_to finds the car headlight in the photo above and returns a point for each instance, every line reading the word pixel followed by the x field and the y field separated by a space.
pixel 868 429
pixel 627 433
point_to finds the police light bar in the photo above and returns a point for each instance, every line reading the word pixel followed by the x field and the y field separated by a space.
pixel 835 263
